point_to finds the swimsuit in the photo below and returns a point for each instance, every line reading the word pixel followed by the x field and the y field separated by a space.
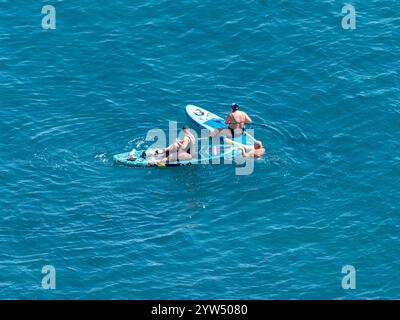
pixel 188 150
pixel 233 131
pixel 233 121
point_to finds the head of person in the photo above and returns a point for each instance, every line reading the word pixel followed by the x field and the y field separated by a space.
pixel 235 107
pixel 186 128
pixel 258 144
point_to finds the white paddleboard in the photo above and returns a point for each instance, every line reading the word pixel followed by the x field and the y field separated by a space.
pixel 205 119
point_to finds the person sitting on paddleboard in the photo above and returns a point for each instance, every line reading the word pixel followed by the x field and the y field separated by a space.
pixel 180 150
pixel 257 151
pixel 236 121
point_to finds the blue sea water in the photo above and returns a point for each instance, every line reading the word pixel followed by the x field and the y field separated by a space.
pixel 325 195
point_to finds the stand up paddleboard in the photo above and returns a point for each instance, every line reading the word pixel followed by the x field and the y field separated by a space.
pixel 201 119
pixel 206 155
pixel 204 119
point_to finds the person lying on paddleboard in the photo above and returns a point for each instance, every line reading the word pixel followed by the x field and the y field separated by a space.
pixel 257 151
pixel 180 150
pixel 236 121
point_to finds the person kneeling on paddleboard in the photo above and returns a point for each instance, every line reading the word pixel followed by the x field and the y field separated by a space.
pixel 257 151
pixel 180 150
pixel 236 121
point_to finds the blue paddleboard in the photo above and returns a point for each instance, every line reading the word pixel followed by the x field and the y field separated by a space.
pixel 202 119
pixel 206 155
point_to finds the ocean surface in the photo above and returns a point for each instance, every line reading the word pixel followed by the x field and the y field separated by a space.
pixel 325 195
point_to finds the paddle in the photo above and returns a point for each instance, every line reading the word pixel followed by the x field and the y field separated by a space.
pixel 249 135
pixel 239 144
pixel 234 142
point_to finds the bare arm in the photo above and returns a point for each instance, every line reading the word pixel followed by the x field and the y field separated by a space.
pixel 228 119
pixel 247 154
pixel 185 142
pixel 247 118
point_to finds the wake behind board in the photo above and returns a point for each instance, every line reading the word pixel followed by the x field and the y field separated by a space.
pixel 204 119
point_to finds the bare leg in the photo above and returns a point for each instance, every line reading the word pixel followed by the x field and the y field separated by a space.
pixel 173 147
pixel 215 133
pixel 163 160
pixel 171 158
pixel 182 156
pixel 227 133
pixel 223 132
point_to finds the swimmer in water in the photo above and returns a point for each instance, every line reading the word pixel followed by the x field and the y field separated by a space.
pixel 257 151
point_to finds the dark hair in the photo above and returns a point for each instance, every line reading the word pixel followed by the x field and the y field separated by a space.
pixel 235 106
pixel 185 127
